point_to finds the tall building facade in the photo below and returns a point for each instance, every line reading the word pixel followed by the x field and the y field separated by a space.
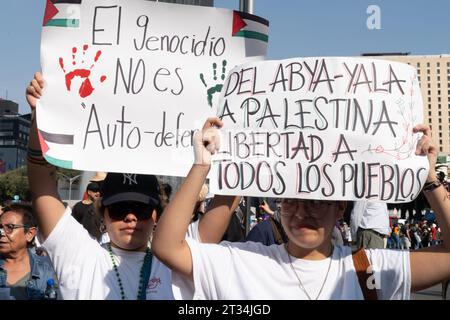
pixel 434 76
pixel 14 130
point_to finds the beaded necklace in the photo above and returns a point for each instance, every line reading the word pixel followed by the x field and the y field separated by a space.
pixel 147 261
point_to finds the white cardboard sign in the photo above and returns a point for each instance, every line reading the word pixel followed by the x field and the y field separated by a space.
pixel 321 128
pixel 129 81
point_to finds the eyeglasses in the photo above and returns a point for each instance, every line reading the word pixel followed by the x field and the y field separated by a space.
pixel 289 206
pixel 118 211
pixel 9 227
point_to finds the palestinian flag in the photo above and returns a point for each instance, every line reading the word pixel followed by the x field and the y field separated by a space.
pixel 250 26
pixel 63 142
pixel 62 13
pixel 254 30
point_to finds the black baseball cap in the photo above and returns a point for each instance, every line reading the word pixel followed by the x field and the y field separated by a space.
pixel 119 187
pixel 93 186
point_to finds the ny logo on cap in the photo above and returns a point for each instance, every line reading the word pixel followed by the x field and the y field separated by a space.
pixel 130 178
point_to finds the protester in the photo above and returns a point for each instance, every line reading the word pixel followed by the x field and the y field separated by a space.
pixel 98 178
pixel 21 270
pixel 269 231
pixel 346 233
pixel 405 240
pixel 307 267
pixel 417 243
pixel 369 224
pixel 125 268
pixel 426 235
pixel 236 228
pixel 84 213
pixel 434 235
pixel 395 235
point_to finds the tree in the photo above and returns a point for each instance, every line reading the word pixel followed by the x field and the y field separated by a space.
pixel 13 183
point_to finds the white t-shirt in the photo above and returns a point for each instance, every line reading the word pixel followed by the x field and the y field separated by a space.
pixel 192 230
pixel 85 270
pixel 104 239
pixel 370 215
pixel 251 270
pixel 183 287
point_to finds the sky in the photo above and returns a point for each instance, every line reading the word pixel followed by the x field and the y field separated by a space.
pixel 298 28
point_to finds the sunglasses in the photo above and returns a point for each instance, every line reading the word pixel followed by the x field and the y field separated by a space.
pixel 289 206
pixel 118 211
pixel 10 227
pixel 308 202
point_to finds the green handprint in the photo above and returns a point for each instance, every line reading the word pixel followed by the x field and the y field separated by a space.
pixel 218 87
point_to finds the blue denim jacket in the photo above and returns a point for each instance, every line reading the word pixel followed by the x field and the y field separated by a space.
pixel 41 271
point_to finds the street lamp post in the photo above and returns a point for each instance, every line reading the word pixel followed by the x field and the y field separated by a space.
pixel 247 6
pixel 71 180
pixel 70 185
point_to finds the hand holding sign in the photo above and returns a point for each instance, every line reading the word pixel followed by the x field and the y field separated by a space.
pixel 425 147
pixel 34 90
pixel 207 141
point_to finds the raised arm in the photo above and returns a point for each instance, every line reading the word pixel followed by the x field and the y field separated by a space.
pixel 214 223
pixel 430 266
pixel 266 208
pixel 47 205
pixel 169 243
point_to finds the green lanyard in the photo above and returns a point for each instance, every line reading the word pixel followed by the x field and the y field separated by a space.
pixel 144 274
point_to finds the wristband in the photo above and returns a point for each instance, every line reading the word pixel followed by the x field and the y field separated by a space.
pixel 430 186
pixel 37 161
pixel 35 153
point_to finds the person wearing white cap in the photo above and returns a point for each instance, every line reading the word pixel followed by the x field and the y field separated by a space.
pixel 98 178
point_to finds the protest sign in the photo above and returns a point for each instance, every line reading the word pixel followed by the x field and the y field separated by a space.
pixel 128 81
pixel 320 128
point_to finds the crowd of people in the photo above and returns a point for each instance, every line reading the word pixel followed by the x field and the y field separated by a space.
pixel 129 238
pixel 414 235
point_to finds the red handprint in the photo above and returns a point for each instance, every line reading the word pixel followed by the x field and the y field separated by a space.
pixel 86 87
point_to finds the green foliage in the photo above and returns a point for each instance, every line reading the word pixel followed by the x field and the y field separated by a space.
pixel 442 159
pixel 13 183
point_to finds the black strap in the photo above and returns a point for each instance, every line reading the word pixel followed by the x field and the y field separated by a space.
pixel 146 278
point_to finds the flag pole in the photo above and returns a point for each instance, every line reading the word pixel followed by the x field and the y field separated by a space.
pixel 247 6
